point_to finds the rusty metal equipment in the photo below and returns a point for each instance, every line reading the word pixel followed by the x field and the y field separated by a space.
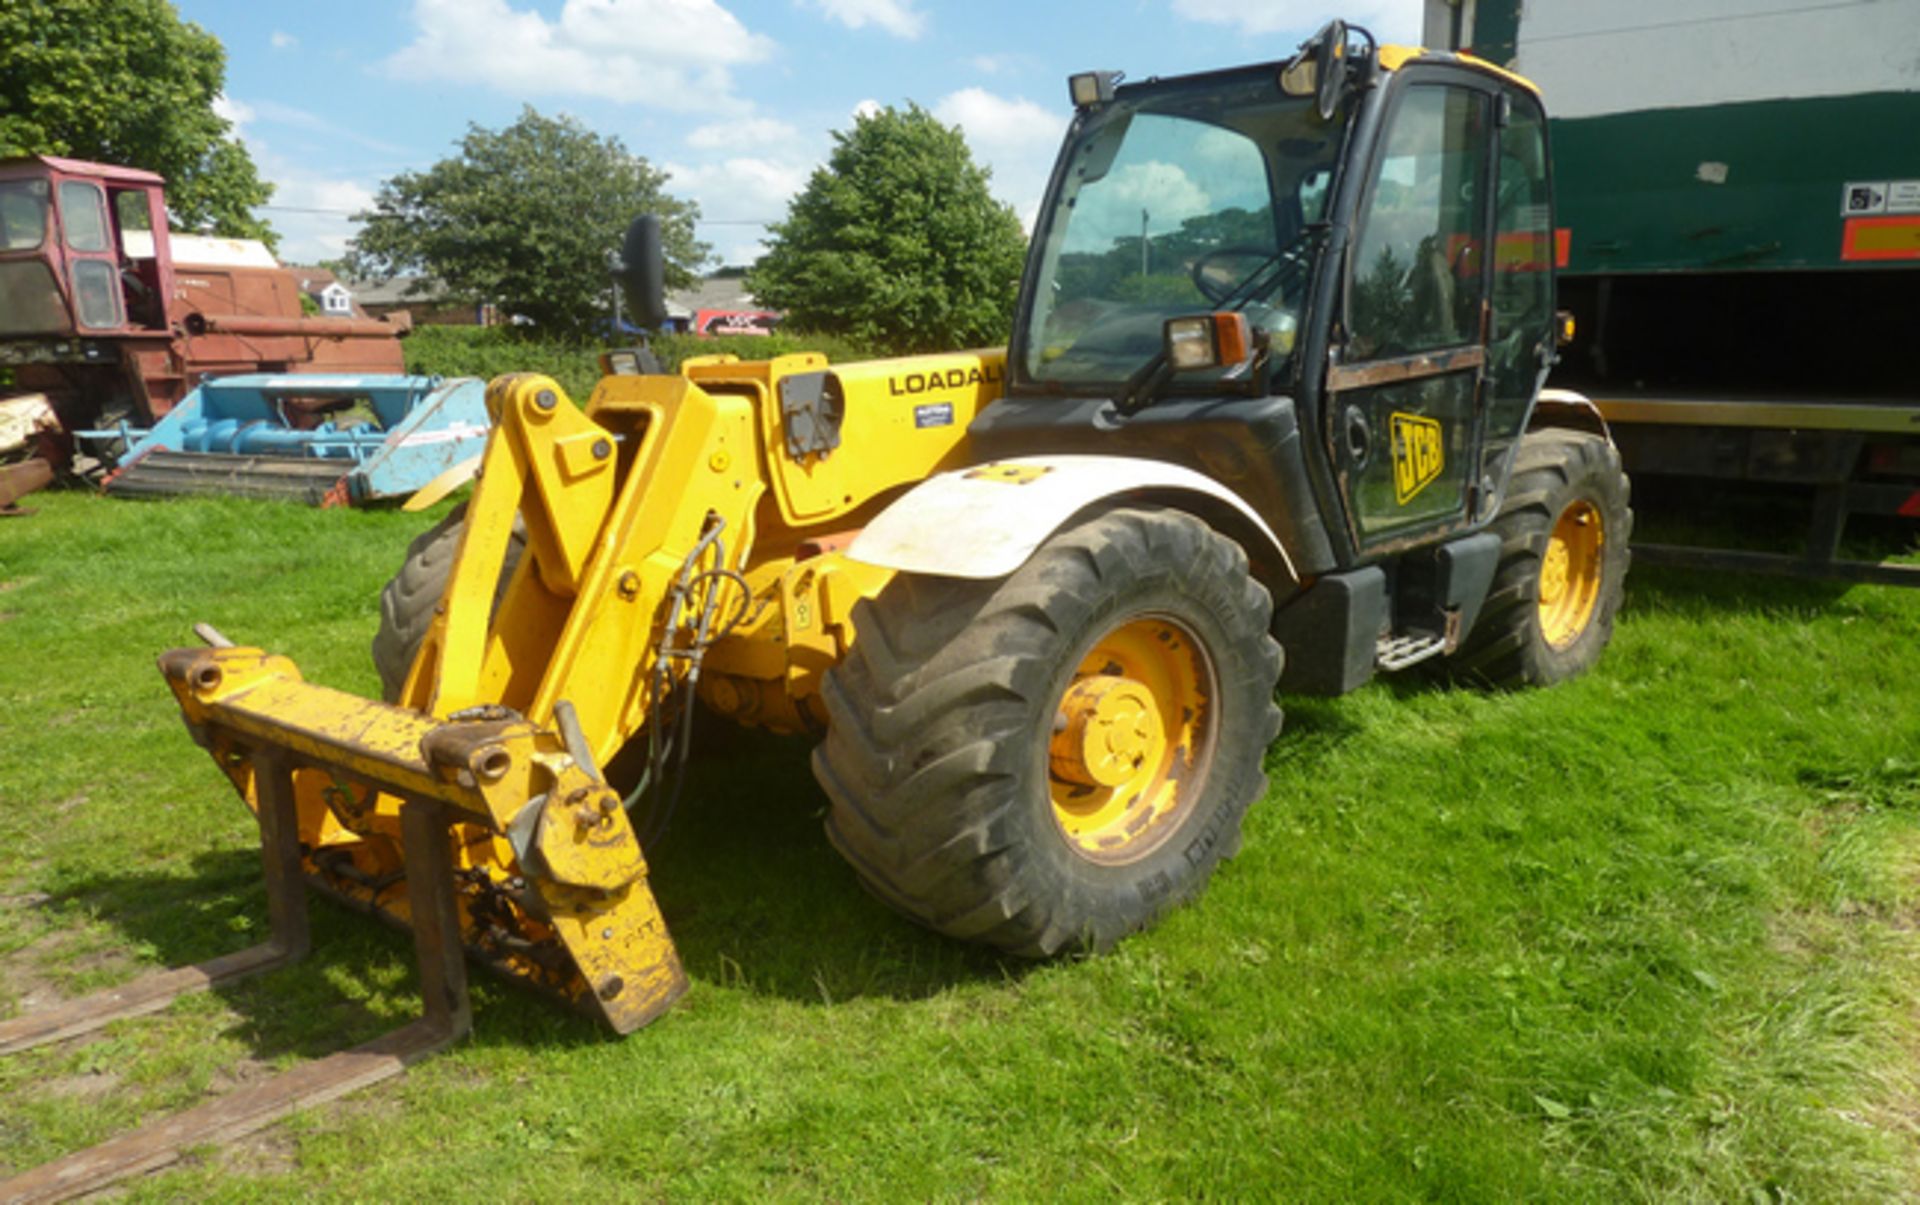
pixel 19 480
pixel 115 318
pixel 26 422
pixel 274 436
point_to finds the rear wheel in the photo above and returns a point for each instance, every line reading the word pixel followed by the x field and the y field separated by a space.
pixel 1053 760
pixel 1563 563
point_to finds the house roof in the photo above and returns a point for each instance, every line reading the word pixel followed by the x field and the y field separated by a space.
pixel 394 291
pixel 312 279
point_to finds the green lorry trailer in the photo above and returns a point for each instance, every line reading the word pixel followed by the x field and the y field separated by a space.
pixel 1737 227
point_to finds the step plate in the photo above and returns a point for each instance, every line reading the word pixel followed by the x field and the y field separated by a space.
pixel 1398 652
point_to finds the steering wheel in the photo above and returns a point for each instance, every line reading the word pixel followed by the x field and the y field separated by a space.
pixel 1215 281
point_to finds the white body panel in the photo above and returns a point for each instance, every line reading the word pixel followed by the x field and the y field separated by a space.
pixel 1621 56
pixel 984 522
pixel 203 251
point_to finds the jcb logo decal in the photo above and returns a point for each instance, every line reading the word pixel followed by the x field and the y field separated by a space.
pixel 1417 458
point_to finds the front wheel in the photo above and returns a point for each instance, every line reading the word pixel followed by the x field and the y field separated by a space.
pixel 1563 563
pixel 1053 760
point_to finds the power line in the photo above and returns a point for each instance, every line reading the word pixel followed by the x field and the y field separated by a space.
pixel 347 213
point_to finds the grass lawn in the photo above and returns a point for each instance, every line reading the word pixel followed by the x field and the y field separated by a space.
pixel 1650 934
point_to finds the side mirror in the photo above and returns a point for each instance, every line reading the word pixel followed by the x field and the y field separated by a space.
pixel 1332 54
pixel 642 273
pixel 1319 69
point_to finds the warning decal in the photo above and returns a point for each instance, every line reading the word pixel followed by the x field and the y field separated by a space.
pixel 1881 238
pixel 1417 458
pixel 1862 198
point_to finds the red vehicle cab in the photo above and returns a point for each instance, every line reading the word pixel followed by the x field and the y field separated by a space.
pixel 111 317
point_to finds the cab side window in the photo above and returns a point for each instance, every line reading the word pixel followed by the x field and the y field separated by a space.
pixel 1416 282
pixel 1523 262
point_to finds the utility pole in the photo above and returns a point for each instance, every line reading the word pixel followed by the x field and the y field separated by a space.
pixel 1143 242
pixel 614 264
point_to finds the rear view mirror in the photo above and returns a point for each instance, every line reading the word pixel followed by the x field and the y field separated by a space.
pixel 642 273
pixel 1319 70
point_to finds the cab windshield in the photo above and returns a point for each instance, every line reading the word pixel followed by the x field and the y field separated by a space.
pixel 1183 199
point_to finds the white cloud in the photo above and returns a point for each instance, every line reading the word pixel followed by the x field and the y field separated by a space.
pixel 1387 20
pixel 231 111
pixel 1017 138
pixel 280 39
pixel 897 17
pixel 1000 122
pixel 323 230
pixel 737 197
pixel 866 108
pixel 739 188
pixel 1163 192
pixel 673 54
pixel 744 134
pixel 270 113
pixel 310 211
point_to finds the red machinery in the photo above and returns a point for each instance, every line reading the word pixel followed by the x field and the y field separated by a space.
pixel 112 318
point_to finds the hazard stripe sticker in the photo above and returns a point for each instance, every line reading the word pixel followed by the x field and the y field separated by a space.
pixel 1881 238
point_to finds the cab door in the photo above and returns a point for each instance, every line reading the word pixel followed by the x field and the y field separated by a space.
pixel 1404 382
pixel 92 255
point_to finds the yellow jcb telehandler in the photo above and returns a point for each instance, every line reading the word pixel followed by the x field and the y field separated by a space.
pixel 1283 431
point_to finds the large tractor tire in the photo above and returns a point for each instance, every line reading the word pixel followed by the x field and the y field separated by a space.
pixel 408 600
pixel 1563 564
pixel 1051 761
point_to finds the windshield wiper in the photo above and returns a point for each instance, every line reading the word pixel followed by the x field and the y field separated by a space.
pixel 1272 271
pixel 1145 386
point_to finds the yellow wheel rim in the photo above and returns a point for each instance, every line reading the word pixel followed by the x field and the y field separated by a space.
pixel 1570 573
pixel 1132 736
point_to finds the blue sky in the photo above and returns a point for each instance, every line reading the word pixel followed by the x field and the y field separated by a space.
pixel 736 98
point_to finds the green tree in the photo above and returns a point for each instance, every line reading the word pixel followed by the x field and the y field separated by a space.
pixel 128 82
pixel 525 217
pixel 896 241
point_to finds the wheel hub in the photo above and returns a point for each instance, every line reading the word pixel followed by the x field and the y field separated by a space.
pixel 1131 732
pixel 1111 730
pixel 1570 572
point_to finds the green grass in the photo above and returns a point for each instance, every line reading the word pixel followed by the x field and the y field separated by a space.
pixel 1648 935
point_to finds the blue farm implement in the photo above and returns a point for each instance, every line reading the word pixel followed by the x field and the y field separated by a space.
pixel 349 439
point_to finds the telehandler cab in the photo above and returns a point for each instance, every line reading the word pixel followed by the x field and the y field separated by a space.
pixel 1270 416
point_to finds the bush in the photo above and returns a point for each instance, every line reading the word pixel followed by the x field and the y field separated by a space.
pixel 487 352
pixel 896 241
